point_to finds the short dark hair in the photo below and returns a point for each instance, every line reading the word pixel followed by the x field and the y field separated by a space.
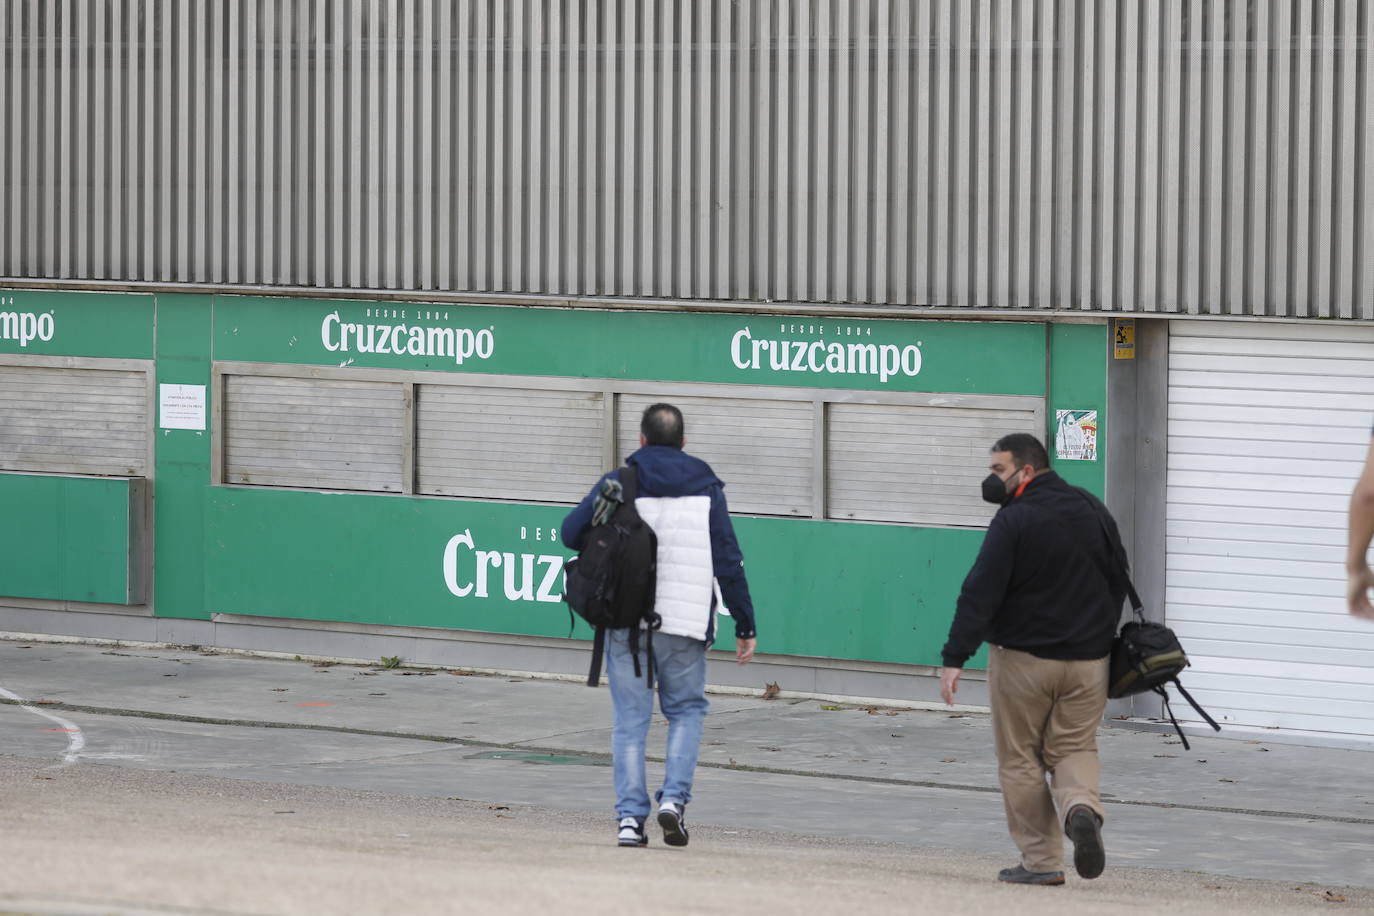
pixel 662 424
pixel 1025 450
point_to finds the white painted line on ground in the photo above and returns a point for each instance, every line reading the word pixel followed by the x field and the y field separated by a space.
pixel 76 739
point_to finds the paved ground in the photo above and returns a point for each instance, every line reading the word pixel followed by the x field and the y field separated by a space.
pixel 146 776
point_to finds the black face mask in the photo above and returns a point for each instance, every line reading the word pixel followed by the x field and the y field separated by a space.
pixel 995 491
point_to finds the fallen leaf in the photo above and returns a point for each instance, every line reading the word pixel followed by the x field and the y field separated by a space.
pixel 771 690
pixel 498 807
pixel 1331 897
pixel 950 760
pixel 832 707
pixel 766 748
pixel 1166 755
pixel 956 715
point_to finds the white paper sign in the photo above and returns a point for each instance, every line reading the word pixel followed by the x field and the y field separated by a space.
pixel 182 406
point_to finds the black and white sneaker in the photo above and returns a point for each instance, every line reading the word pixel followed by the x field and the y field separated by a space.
pixel 670 819
pixel 632 832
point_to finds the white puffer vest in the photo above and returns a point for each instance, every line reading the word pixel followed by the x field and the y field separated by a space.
pixel 686 574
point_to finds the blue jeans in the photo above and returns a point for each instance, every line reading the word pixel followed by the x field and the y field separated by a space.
pixel 680 671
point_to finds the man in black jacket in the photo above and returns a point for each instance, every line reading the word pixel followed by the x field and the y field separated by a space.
pixel 1046 594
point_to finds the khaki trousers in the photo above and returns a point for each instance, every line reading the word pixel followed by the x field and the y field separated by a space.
pixel 1045 715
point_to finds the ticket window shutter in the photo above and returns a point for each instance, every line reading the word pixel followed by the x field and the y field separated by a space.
pixel 317 433
pixel 918 465
pixel 529 445
pixel 763 450
pixel 74 421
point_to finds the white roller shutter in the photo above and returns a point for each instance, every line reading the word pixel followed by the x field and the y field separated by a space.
pixel 1268 427
pixel 920 465
pixel 508 443
pixel 763 450
pixel 74 421
pixel 309 432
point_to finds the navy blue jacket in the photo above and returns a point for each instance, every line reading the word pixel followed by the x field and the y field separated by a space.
pixel 667 471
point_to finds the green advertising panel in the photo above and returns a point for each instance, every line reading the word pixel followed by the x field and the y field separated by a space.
pixel 833 589
pixel 75 540
pixel 884 355
pixel 48 323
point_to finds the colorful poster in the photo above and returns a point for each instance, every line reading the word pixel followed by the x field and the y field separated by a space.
pixel 1075 435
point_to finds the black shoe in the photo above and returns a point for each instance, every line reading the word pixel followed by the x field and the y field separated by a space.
pixel 632 832
pixel 1085 831
pixel 670 819
pixel 1019 875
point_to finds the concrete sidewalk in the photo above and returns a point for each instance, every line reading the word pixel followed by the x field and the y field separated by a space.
pixel 922 777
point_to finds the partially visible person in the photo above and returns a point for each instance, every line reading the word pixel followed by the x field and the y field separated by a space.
pixel 683 501
pixel 1359 577
pixel 1046 592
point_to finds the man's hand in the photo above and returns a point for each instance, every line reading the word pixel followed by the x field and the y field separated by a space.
pixel 949 683
pixel 1358 586
pixel 744 650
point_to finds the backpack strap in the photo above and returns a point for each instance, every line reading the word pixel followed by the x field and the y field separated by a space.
pixel 598 651
pixel 1182 737
pixel 1200 711
pixel 634 650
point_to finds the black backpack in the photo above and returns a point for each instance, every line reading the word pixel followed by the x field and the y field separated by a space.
pixel 610 583
pixel 1145 655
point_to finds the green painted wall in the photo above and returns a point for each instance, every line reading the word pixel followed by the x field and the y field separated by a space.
pixel 1078 381
pixel 66 538
pixel 822 588
pixel 182 466
pixel 877 592
pixel 107 325
pixel 960 357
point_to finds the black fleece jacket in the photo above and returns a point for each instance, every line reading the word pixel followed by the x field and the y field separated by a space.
pixel 1040 583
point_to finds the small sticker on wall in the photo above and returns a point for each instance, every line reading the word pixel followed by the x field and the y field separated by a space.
pixel 1123 338
pixel 1075 435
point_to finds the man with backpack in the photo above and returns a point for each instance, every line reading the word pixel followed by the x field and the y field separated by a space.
pixel 1046 593
pixel 680 498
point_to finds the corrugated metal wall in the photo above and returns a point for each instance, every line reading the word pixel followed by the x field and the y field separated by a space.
pixel 1184 156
